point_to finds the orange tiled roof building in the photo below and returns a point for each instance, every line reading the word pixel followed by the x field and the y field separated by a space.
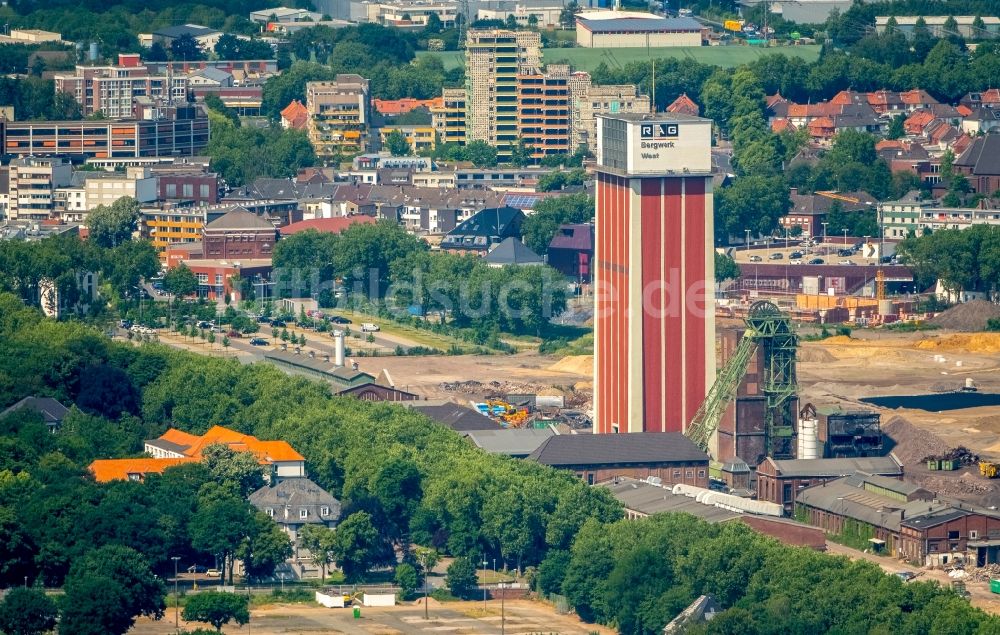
pixel 175 447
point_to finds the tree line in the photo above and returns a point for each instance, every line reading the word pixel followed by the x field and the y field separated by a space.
pixel 407 485
pixel 384 264
pixel 962 259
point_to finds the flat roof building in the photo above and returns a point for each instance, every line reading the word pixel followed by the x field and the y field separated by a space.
pixel 605 29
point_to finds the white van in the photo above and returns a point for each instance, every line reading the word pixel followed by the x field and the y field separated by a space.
pixel 368 327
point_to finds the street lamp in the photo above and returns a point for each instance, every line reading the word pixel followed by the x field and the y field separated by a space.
pixel 177 607
pixel 485 564
pixel 845 237
pixel 748 238
pixel 824 232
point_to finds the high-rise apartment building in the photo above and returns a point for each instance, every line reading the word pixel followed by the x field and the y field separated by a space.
pixel 588 101
pixel 33 181
pixel 493 60
pixel 339 115
pixel 449 118
pixel 654 262
pixel 112 90
pixel 543 115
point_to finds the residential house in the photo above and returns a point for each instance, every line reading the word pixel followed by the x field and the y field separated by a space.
pixel 295 502
pixel 780 481
pixel 916 99
pixel 211 77
pixel 485 229
pixel 980 163
pixel 512 252
pixel 685 106
pixel 986 99
pixel 669 456
pixel 914 124
pixel 981 121
pixel 295 116
pixel 571 251
pixel 51 411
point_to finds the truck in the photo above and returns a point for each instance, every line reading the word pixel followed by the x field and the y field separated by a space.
pixel 368 327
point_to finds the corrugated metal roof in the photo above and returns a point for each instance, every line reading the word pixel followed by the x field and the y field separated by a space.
pixel 649 499
pixel 510 441
pixel 884 465
pixel 644 25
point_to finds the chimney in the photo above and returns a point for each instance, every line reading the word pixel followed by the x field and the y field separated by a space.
pixel 338 349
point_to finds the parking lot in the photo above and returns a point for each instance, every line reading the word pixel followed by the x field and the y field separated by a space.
pixel 830 253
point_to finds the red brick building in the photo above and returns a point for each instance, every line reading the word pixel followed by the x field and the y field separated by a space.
pixel 239 234
pixel 781 481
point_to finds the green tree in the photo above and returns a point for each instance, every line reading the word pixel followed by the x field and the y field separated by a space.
pixel 407 580
pixel 186 48
pixel 125 265
pixel 112 225
pixel 521 154
pixel 219 527
pixel 240 471
pixel 481 154
pixel 461 578
pixel 27 612
pixel 180 281
pixel 264 547
pixel 397 144
pixel 725 268
pixel 539 228
pixel 896 130
pixel 217 608
pixel 321 543
pixel 119 581
pixel 359 546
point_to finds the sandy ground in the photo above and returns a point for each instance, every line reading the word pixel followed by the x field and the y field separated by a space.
pixel 842 371
pixel 520 617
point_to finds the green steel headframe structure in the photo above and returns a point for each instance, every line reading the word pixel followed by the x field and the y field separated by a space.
pixel 770 330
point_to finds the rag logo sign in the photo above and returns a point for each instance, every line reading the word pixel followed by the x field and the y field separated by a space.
pixel 658 131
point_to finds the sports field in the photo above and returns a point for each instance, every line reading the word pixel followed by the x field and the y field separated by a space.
pixel 588 59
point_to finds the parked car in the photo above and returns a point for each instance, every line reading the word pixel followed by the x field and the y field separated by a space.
pixel 845 262
pixel 795 254
pixel 215 573
pixel 278 323
pixel 124 324
pixel 755 259
pixel 368 327
pixel 776 256
pixel 795 261
pixel 234 334
pixel 336 319
pixel 206 325
pixel 816 261
pixel 263 320
pixel 845 252
pixel 906 576
pixel 258 341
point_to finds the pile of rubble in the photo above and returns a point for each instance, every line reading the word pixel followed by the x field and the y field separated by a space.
pixel 983 574
pixel 572 398
pixel 912 444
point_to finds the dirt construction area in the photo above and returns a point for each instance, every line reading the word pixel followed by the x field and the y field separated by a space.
pixel 459 618
pixel 842 371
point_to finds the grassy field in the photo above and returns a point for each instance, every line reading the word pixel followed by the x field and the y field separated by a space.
pixel 589 59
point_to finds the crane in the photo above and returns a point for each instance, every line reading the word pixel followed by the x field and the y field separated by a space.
pixel 767 329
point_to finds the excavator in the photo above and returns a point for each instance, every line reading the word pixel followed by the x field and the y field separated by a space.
pixel 509 415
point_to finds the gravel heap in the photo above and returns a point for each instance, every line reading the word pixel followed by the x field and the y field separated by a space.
pixel 968 316
pixel 911 443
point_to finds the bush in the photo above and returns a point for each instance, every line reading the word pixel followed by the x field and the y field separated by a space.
pixel 407 580
pixel 844 330
pixel 993 324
